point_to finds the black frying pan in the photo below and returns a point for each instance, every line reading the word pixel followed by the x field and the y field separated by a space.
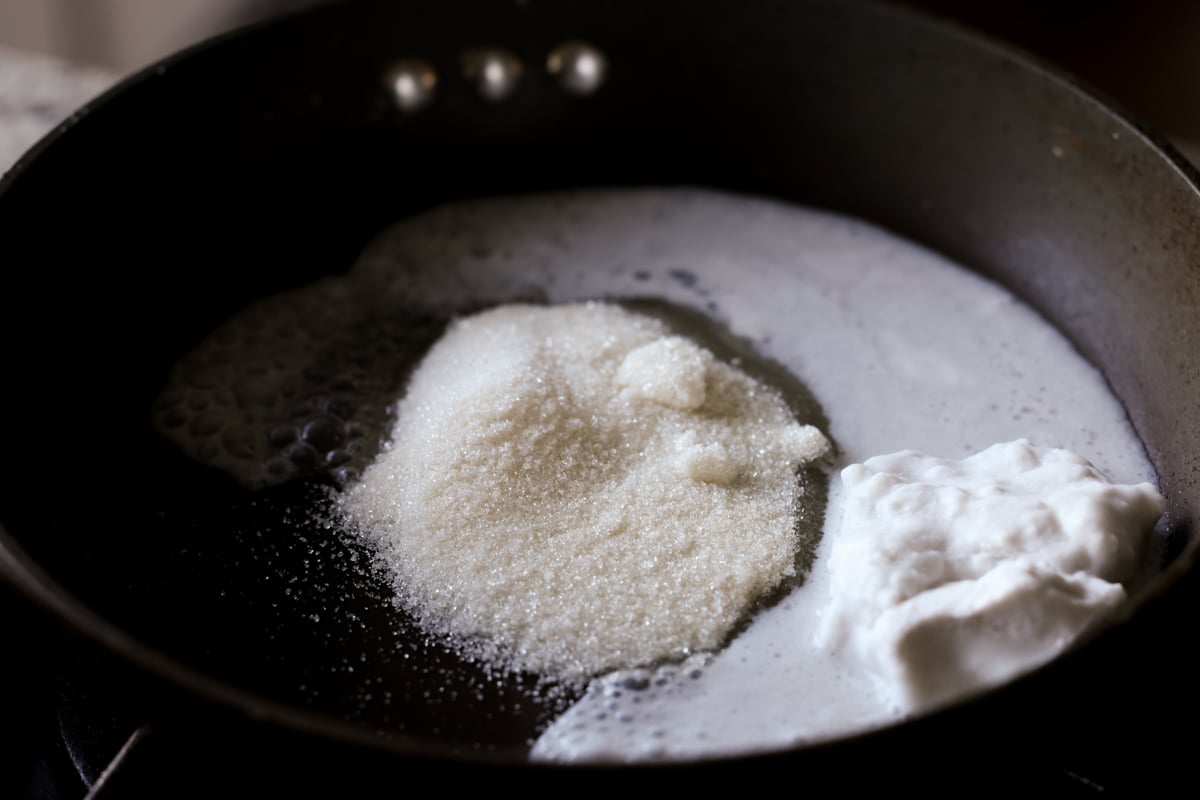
pixel 264 160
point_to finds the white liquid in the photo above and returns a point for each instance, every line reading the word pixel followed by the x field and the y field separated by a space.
pixel 902 349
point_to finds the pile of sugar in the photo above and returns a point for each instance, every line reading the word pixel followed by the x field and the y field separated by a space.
pixel 572 489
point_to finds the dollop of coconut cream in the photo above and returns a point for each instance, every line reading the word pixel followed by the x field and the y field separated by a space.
pixel 949 576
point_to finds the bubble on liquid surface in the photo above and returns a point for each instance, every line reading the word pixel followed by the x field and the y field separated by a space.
pixel 296 384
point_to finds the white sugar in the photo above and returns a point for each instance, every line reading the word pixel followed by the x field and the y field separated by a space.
pixel 572 489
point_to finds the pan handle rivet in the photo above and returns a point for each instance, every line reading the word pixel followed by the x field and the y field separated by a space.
pixel 412 82
pixel 579 67
pixel 494 74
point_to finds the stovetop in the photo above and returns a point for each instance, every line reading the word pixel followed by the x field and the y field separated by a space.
pixel 34 764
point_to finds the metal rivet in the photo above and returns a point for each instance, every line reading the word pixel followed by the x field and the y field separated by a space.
pixel 493 73
pixel 579 67
pixel 412 82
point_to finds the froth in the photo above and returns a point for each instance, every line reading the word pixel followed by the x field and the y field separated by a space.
pixel 297 384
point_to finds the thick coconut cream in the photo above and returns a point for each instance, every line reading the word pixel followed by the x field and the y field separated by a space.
pixel 902 350
pixel 947 576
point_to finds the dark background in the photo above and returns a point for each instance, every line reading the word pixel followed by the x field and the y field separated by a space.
pixel 1142 54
